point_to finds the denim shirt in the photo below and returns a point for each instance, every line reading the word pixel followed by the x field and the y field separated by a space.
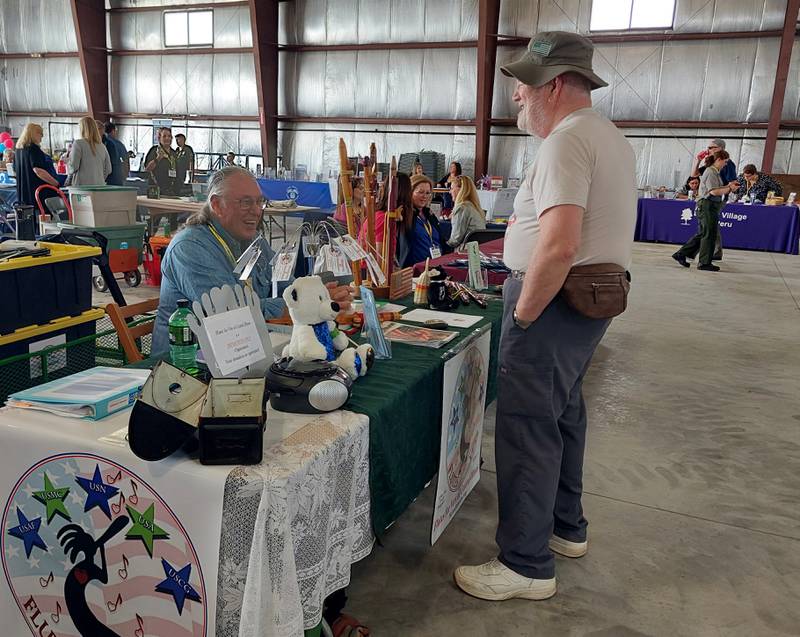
pixel 194 263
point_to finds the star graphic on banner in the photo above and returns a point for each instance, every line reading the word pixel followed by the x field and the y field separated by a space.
pixel 11 550
pixel 97 492
pixel 69 469
pixel 33 562
pixel 66 564
pixel 76 498
pixel 28 489
pixel 28 532
pixel 53 499
pixel 145 528
pixel 177 585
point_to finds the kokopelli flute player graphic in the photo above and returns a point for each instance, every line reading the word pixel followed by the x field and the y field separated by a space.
pixel 74 540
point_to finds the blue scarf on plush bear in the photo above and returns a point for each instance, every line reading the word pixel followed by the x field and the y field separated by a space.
pixel 325 336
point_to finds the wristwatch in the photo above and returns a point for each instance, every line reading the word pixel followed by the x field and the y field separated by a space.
pixel 523 325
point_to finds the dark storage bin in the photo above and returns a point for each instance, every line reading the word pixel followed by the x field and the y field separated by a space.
pixel 37 290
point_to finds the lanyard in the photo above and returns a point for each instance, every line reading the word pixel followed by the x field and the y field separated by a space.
pixel 223 244
pixel 428 228
pixel 170 157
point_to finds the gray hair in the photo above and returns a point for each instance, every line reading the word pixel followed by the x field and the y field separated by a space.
pixel 216 187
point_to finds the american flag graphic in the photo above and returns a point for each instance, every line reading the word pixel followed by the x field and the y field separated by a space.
pixel 116 562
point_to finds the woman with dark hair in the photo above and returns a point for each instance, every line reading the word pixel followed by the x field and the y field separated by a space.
pixel 756 186
pixel 453 174
pixel 403 202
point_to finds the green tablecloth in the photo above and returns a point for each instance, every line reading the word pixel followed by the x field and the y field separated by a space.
pixel 403 399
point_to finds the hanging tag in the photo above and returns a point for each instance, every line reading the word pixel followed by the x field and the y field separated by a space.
pixel 340 266
pixel 435 252
pixel 377 273
pixel 474 261
pixel 350 248
pixel 311 247
pixel 284 266
pixel 250 265
pixel 173 173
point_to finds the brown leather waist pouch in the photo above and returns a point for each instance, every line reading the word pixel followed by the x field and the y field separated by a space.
pixel 598 291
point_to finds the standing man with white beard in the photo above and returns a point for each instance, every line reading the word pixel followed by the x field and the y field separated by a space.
pixel 575 207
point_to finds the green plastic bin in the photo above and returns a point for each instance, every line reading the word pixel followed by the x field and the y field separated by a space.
pixel 133 235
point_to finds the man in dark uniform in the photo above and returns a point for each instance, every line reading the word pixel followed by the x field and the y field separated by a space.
pixel 185 163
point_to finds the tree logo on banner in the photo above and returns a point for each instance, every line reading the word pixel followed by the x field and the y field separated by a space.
pixel 686 216
pixel 90 550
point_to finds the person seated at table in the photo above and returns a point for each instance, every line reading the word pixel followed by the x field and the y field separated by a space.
pixel 203 255
pixel 418 170
pixel 712 190
pixel 89 163
pixel 406 217
pixel 452 175
pixel 422 232
pixel 756 186
pixel 31 165
pixel 692 186
pixel 8 159
pixel 468 214
pixel 162 162
pixel 340 215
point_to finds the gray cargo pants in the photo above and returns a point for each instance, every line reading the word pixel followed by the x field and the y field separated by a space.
pixel 541 431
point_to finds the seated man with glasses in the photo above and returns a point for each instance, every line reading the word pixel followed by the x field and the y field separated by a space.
pixel 204 254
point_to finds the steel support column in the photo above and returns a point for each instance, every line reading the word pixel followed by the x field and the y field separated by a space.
pixel 89 17
pixel 488 19
pixel 264 22
pixel 779 90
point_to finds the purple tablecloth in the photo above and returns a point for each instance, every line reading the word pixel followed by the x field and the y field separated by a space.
pixel 770 228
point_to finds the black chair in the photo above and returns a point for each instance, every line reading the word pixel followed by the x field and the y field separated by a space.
pixel 482 236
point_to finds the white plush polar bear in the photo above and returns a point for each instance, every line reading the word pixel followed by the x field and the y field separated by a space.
pixel 314 335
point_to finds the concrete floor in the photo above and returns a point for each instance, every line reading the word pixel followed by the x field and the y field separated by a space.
pixel 692 478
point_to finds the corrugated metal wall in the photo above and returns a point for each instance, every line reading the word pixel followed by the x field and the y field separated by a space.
pixel 722 80
pixel 52 84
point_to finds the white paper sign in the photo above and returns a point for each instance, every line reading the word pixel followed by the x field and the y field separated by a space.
pixel 463 404
pixel 234 340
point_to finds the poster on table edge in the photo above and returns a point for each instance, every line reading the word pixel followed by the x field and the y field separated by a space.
pixel 463 406
pixel 90 549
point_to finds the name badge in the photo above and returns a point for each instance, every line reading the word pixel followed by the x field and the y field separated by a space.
pixel 435 252
pixel 173 173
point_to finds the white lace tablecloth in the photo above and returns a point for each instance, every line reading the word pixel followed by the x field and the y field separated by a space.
pixel 292 526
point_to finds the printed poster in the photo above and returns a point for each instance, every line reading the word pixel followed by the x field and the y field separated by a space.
pixel 463 406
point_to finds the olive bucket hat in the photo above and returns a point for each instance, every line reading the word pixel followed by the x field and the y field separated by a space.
pixel 552 53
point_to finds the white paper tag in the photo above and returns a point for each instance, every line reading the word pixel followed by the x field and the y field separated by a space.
pixel 173 173
pixel 353 251
pixel 435 252
pixel 377 273
pixel 340 266
pixel 284 265
pixel 234 340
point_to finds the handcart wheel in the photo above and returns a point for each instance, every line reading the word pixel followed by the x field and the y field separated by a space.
pixel 133 278
pixel 99 284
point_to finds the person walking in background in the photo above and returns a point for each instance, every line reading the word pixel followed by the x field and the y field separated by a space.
pixel 576 206
pixel 756 186
pixel 712 190
pixel 185 162
pixel 120 164
pixel 161 162
pixel 468 215
pixel 89 163
pixel 31 164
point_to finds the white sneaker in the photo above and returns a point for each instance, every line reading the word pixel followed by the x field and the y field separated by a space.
pixel 494 581
pixel 566 548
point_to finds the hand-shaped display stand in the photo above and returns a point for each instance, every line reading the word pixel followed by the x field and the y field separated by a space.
pixel 228 415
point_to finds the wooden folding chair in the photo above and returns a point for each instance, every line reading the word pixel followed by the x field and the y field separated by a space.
pixel 127 334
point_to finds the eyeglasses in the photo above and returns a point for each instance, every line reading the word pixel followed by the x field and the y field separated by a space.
pixel 247 203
